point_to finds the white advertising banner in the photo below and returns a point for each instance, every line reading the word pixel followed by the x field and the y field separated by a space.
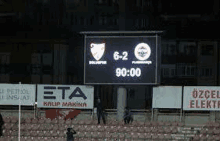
pixel 167 97
pixel 65 96
pixel 201 98
pixel 10 93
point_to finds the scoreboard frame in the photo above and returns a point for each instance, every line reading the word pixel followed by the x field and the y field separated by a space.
pixel 158 51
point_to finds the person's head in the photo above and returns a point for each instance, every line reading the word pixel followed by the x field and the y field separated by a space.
pixel 69 129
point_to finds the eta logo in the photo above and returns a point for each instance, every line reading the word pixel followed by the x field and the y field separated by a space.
pixel 77 92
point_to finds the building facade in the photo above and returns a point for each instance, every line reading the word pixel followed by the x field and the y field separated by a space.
pixel 41 43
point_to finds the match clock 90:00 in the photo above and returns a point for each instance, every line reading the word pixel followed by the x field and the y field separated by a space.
pixel 133 72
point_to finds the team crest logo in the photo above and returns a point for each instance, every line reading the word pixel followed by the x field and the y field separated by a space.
pixel 97 50
pixel 142 51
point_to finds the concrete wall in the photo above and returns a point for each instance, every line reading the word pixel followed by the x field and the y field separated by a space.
pixel 170 117
pixel 15 113
pixel 196 119
pixel 187 118
pixel 217 116
pixel 137 117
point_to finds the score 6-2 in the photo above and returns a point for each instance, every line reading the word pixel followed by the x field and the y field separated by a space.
pixel 124 55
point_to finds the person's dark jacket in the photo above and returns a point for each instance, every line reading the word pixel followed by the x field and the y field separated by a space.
pixel 99 107
pixel 1 120
pixel 70 135
pixel 127 113
pixel 1 124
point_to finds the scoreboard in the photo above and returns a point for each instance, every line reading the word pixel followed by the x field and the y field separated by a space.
pixel 121 59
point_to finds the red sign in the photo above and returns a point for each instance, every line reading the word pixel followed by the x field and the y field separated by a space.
pixel 64 113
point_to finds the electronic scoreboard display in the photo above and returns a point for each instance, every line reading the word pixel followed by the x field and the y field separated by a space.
pixel 121 59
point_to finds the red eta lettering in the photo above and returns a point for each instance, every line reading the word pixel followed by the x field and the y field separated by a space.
pixel 191 104
pixel 72 104
pixel 197 106
pixel 195 93
pixel 208 104
pixel 206 94
pixel 51 103
pixel 212 93
pixel 201 92
pixel 218 95
pixel 204 104
pixel 214 103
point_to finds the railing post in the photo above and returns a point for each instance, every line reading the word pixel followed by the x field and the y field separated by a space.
pixel 19 120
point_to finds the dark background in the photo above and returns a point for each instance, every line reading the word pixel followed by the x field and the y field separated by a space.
pixel 36 26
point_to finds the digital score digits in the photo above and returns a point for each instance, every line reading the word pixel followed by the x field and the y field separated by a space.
pixel 128 72
pixel 123 72
pixel 124 55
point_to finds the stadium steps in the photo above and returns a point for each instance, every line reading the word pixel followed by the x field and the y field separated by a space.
pixel 185 133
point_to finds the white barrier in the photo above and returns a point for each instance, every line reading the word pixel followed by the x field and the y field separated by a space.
pixel 201 98
pixel 9 94
pixel 65 96
pixel 167 97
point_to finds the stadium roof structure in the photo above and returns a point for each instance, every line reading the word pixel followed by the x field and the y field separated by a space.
pixel 119 32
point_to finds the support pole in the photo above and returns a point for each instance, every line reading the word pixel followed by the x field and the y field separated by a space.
pixel 181 110
pixel 35 104
pixel 34 110
pixel 181 114
pixel 121 102
pixel 152 114
pixel 19 123
pixel 217 65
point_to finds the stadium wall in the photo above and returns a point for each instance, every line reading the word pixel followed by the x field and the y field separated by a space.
pixel 15 113
pixel 194 118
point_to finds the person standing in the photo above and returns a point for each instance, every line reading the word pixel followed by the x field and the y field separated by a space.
pixel 100 112
pixel 127 115
pixel 1 124
pixel 70 133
